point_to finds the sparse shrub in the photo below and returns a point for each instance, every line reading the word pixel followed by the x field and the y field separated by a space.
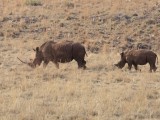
pixel 158 25
pixel 69 5
pixel 149 22
pixel 1 34
pixel 153 95
pixel 118 80
pixel 34 2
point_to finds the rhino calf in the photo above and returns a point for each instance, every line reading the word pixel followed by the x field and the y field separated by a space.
pixel 138 57
pixel 59 52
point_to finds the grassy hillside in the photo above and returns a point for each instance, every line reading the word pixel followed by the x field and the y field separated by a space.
pixel 106 22
pixel 101 92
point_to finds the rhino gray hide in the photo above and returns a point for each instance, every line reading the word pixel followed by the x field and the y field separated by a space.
pixel 138 57
pixel 59 52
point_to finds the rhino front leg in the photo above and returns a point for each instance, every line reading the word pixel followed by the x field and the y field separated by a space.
pixel 81 64
pixel 129 66
pixel 135 66
pixel 45 63
pixel 56 64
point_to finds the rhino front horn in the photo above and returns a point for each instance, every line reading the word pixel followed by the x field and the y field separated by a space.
pixel 21 60
pixel 28 63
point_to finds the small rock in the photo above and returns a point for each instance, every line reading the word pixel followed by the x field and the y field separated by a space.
pixel 6 19
pixel 135 14
pixel 1 34
pixel 61 25
pixel 127 17
pixel 129 39
pixel 150 22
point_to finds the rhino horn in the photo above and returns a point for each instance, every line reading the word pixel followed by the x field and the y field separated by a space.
pixel 28 63
pixel 21 60
pixel 115 64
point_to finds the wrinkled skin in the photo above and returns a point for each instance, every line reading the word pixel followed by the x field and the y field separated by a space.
pixel 59 52
pixel 138 57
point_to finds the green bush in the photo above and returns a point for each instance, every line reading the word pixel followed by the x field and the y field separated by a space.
pixel 34 2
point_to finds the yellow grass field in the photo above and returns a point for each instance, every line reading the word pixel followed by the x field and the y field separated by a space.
pixel 102 91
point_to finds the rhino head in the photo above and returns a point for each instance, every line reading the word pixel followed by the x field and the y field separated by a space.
pixel 38 59
pixel 122 62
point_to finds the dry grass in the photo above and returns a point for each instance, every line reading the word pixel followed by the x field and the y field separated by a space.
pixel 102 92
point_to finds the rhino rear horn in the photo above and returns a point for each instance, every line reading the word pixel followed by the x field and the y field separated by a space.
pixel 37 49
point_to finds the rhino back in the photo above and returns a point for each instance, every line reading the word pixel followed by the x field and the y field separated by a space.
pixel 45 45
pixel 140 57
pixel 62 51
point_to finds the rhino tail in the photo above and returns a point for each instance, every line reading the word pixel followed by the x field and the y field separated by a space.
pixel 86 53
pixel 157 59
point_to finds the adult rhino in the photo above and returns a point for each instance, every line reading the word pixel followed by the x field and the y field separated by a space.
pixel 59 52
pixel 138 57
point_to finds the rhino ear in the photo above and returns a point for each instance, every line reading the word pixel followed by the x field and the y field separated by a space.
pixel 122 54
pixel 37 49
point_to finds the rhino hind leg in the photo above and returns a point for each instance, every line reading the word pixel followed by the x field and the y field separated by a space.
pixel 81 64
pixel 84 64
pixel 155 69
pixel 152 67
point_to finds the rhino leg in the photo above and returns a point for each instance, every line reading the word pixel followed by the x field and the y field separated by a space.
pixel 81 64
pixel 135 66
pixel 150 70
pixel 45 63
pixel 129 66
pixel 153 67
pixel 84 64
pixel 56 64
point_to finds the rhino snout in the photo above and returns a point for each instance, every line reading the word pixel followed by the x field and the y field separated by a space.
pixel 31 65
pixel 116 65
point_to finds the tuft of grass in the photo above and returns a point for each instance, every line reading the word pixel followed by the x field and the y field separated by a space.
pixel 69 5
pixel 158 25
pixel 34 2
